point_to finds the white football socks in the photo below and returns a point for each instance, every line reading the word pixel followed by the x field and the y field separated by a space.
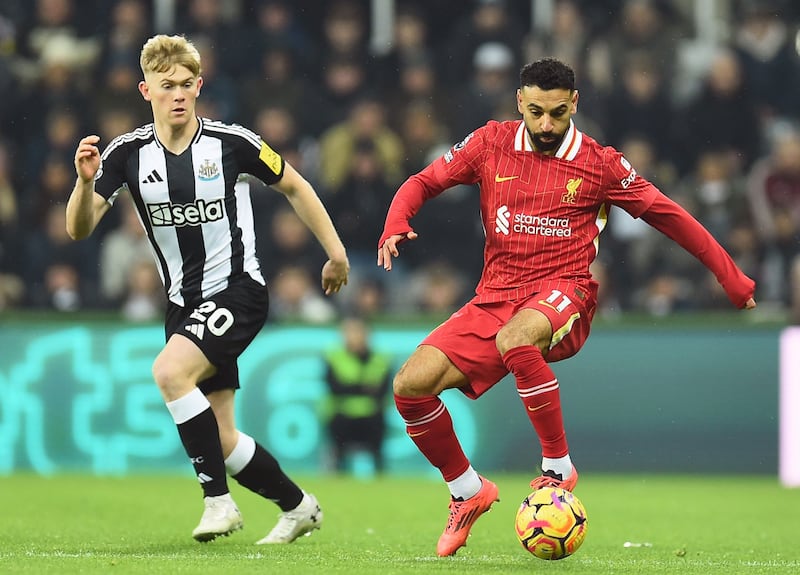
pixel 562 465
pixel 465 485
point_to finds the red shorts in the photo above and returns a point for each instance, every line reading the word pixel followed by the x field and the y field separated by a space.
pixel 467 338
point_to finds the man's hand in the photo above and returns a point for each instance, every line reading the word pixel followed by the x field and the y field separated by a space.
pixel 750 304
pixel 389 248
pixel 87 158
pixel 334 275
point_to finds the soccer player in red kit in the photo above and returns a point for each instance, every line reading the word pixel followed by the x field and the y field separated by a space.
pixel 545 192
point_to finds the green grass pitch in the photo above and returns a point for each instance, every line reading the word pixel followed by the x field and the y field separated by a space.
pixel 691 525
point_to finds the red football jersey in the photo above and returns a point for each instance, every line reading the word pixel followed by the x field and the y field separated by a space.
pixel 542 215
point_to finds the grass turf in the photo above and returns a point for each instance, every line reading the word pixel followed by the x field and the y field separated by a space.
pixel 142 525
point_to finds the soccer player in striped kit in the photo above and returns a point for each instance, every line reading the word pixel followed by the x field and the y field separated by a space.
pixel 183 175
pixel 545 192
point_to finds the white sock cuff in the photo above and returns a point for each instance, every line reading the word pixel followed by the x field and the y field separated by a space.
pixel 465 485
pixel 241 455
pixel 190 405
pixel 562 465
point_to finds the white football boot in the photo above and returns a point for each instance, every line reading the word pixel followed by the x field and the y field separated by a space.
pixel 221 517
pixel 301 520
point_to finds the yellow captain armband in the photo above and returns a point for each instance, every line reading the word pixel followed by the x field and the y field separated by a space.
pixel 271 158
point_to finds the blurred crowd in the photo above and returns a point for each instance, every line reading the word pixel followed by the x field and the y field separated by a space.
pixel 358 99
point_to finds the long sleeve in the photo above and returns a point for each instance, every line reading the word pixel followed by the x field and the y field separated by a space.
pixel 677 224
pixel 409 198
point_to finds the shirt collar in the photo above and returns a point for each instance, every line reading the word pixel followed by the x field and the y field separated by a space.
pixel 567 151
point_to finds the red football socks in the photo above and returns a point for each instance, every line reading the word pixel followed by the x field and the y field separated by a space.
pixel 430 427
pixel 537 386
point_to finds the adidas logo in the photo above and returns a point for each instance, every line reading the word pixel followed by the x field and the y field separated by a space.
pixel 153 178
pixel 203 478
pixel 197 330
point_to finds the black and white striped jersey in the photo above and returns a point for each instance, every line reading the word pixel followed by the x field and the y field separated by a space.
pixel 198 218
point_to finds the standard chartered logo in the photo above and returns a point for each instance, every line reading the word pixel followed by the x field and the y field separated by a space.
pixel 502 221
pixel 531 225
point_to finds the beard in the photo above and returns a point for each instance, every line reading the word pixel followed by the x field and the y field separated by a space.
pixel 552 142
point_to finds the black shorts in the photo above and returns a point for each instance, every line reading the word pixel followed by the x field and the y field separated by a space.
pixel 222 326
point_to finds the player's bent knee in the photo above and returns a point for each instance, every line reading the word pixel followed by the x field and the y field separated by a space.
pixel 511 336
pixel 508 339
pixel 170 382
pixel 406 385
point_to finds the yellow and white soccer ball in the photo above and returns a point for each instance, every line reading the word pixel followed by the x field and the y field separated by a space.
pixel 551 523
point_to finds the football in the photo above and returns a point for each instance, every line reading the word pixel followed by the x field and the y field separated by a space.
pixel 551 523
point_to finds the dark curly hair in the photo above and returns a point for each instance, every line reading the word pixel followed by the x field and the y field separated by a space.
pixel 547 74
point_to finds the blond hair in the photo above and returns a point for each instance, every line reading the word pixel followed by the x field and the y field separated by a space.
pixel 161 53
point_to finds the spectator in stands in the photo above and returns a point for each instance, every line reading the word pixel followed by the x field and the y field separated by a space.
pixel 410 45
pixel 715 193
pixel 116 120
pixel 57 90
pixel 115 90
pixel 487 21
pixel 629 247
pixel 128 29
pixel 294 297
pixel 369 300
pixel 207 20
pixel 60 274
pixel 9 213
pixel 357 208
pixel 358 205
pixel 489 84
pixel 565 37
pixel 9 85
pixel 289 243
pixel 11 264
pixel 723 116
pixel 51 141
pixel 438 288
pixel 424 135
pixel 639 106
pixel 366 122
pixel 277 125
pixel 774 195
pixel 418 85
pixel 344 30
pixel 144 299
pixel 121 250
pixel 54 21
pixel 640 26
pixel 276 23
pixel 765 44
pixel 344 82
pixel 276 81
pixel 219 89
pixel 43 193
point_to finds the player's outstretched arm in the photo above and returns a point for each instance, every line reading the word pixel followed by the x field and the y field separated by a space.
pixel 407 201
pixel 309 208
pixel 677 224
pixel 85 208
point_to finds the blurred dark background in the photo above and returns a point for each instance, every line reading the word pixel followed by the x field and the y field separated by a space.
pixel 702 98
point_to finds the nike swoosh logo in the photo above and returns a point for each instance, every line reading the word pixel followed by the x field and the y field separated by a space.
pixel 498 178
pixel 419 433
pixel 552 307
pixel 538 407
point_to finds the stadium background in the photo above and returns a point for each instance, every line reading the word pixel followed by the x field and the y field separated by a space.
pixel 703 95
